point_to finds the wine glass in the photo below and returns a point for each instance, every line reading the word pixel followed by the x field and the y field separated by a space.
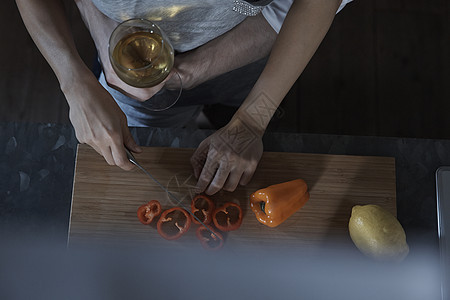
pixel 142 56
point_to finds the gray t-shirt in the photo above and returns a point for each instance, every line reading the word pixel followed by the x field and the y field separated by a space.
pixel 188 23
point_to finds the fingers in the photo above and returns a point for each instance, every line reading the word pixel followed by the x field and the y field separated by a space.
pixel 129 142
pixel 215 175
pixel 233 180
pixel 140 94
pixel 207 173
pixel 106 153
pixel 219 179
pixel 114 154
pixel 173 81
pixel 217 166
pixel 223 178
pixel 125 139
pixel 198 159
pixel 120 158
pixel 247 175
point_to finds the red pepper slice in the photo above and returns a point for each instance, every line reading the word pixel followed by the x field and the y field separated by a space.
pixel 203 208
pixel 228 217
pixel 147 212
pixel 208 240
pixel 173 223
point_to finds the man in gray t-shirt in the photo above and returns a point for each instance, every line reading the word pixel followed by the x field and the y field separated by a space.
pixel 212 75
pixel 214 38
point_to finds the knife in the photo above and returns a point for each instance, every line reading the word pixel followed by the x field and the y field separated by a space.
pixel 133 160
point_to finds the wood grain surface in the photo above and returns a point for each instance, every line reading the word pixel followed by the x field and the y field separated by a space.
pixel 105 198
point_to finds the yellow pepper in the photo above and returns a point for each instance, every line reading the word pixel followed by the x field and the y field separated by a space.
pixel 276 203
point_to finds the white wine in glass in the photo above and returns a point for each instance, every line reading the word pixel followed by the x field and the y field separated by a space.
pixel 142 56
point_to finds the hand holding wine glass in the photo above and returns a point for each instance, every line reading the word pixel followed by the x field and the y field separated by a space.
pixel 142 56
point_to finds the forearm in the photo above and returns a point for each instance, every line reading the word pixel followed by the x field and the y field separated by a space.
pixel 100 28
pixel 249 41
pixel 47 24
pixel 301 34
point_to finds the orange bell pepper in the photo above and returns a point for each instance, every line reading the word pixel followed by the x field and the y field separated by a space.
pixel 275 204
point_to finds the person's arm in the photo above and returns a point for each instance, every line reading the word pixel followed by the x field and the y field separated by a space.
pixel 236 149
pixel 97 119
pixel 248 42
pixel 302 32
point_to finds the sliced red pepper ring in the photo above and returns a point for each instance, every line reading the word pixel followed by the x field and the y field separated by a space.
pixel 228 217
pixel 208 240
pixel 173 223
pixel 147 212
pixel 203 208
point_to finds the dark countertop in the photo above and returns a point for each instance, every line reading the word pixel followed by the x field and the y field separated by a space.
pixel 37 164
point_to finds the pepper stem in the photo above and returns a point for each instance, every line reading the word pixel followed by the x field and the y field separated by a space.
pixel 263 206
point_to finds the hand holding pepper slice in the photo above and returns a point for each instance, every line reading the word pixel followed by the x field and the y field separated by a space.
pixel 208 240
pixel 173 223
pixel 202 207
pixel 228 217
pixel 147 212
pixel 275 204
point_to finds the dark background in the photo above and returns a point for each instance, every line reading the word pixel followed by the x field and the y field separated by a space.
pixel 382 70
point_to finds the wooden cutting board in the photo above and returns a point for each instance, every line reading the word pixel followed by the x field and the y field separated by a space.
pixel 105 198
